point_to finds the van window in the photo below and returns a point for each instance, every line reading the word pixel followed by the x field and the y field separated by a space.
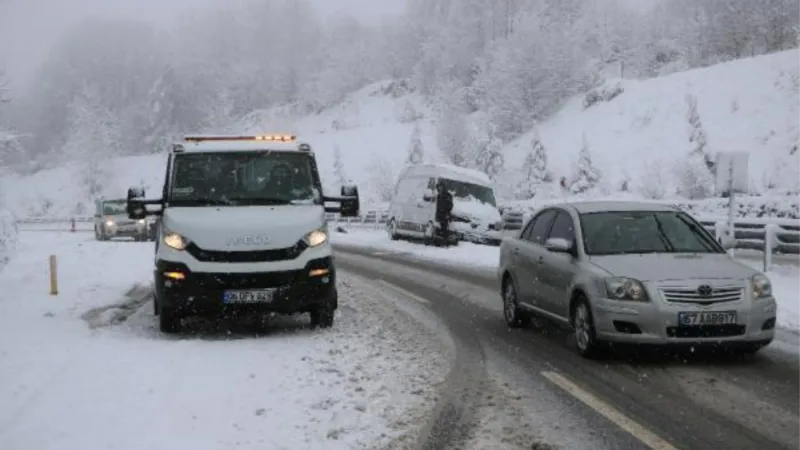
pixel 470 191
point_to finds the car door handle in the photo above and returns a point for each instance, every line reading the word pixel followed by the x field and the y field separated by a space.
pixel 540 259
pixel 515 251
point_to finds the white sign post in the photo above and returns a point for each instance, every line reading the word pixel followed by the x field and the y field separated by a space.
pixel 732 177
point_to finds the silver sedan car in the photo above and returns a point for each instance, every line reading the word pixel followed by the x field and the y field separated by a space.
pixel 632 272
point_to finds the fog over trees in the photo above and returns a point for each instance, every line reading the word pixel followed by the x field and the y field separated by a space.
pixel 516 61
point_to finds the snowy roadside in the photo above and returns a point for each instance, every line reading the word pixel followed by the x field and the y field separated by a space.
pixel 785 278
pixel 366 383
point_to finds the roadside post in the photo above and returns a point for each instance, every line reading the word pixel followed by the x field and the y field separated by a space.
pixel 731 177
pixel 53 275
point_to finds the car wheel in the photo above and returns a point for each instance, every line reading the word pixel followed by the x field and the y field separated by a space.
pixel 514 315
pixel 323 315
pixel 583 329
pixel 392 229
pixel 155 305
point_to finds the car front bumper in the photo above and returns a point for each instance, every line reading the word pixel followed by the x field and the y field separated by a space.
pixel 126 230
pixel 201 293
pixel 656 322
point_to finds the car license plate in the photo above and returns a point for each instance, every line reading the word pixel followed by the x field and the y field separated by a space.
pixel 687 319
pixel 254 296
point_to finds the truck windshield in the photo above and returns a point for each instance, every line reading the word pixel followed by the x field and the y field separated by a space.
pixel 242 178
pixel 470 191
pixel 114 207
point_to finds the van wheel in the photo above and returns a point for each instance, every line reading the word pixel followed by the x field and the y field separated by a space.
pixel 391 228
pixel 429 237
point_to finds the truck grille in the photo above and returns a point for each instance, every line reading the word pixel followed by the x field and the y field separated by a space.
pixel 689 295
pixel 219 256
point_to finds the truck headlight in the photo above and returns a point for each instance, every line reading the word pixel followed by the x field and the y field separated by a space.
pixel 622 288
pixel 175 241
pixel 761 286
pixel 317 237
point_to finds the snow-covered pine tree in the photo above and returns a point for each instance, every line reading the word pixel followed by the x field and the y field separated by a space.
pixel 588 175
pixel 695 180
pixel 416 153
pixel 697 134
pixel 94 138
pixel 451 126
pixel 534 168
pixel 489 155
pixel 338 167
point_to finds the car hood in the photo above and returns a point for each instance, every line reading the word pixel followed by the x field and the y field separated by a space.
pixel 667 267
pixel 475 210
pixel 244 228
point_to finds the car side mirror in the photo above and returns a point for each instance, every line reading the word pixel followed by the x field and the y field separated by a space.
pixel 350 205
pixel 428 198
pixel 558 245
pixel 135 204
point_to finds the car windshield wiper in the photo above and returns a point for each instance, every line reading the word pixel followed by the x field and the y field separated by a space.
pixel 663 236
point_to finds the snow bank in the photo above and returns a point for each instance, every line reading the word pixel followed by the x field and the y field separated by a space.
pixel 89 369
pixel 749 105
pixel 9 235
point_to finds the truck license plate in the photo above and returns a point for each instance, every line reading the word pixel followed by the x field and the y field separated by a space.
pixel 252 296
pixel 688 319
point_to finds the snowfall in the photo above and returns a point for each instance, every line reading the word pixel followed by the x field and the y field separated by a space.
pixel 88 369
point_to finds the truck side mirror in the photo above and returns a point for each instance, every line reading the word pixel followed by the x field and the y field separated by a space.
pixel 350 206
pixel 135 204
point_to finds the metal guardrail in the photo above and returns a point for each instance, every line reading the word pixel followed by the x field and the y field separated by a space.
pixel 369 219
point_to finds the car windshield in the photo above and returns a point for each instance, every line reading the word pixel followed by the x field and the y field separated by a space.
pixel 114 207
pixel 242 178
pixel 470 191
pixel 637 232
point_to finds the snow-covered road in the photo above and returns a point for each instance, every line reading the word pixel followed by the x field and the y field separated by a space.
pixel 88 369
pixel 785 276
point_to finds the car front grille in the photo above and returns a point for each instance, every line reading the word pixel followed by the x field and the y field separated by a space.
pixel 720 294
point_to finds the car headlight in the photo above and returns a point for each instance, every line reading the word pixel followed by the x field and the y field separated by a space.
pixel 109 223
pixel 456 218
pixel 175 241
pixel 316 238
pixel 141 221
pixel 622 288
pixel 761 286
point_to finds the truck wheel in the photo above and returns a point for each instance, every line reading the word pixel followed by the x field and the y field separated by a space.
pixel 322 316
pixel 168 321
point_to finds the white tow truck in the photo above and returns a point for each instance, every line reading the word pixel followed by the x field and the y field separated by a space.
pixel 242 229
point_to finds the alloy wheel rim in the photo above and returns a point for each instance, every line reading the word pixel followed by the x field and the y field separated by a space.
pixel 582 327
pixel 510 302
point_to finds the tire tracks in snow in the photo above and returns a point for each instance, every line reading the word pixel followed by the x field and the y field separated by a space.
pixel 453 420
pixel 109 315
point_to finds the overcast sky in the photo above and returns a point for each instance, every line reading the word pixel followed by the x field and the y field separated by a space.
pixel 29 27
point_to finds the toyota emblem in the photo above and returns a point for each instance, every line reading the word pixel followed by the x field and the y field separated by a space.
pixel 705 291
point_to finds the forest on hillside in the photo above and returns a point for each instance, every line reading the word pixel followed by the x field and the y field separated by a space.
pixel 113 87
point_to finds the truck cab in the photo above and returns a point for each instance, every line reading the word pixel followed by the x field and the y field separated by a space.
pixel 242 228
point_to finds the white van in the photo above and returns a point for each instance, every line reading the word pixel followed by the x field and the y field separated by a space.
pixel 412 211
pixel 243 229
